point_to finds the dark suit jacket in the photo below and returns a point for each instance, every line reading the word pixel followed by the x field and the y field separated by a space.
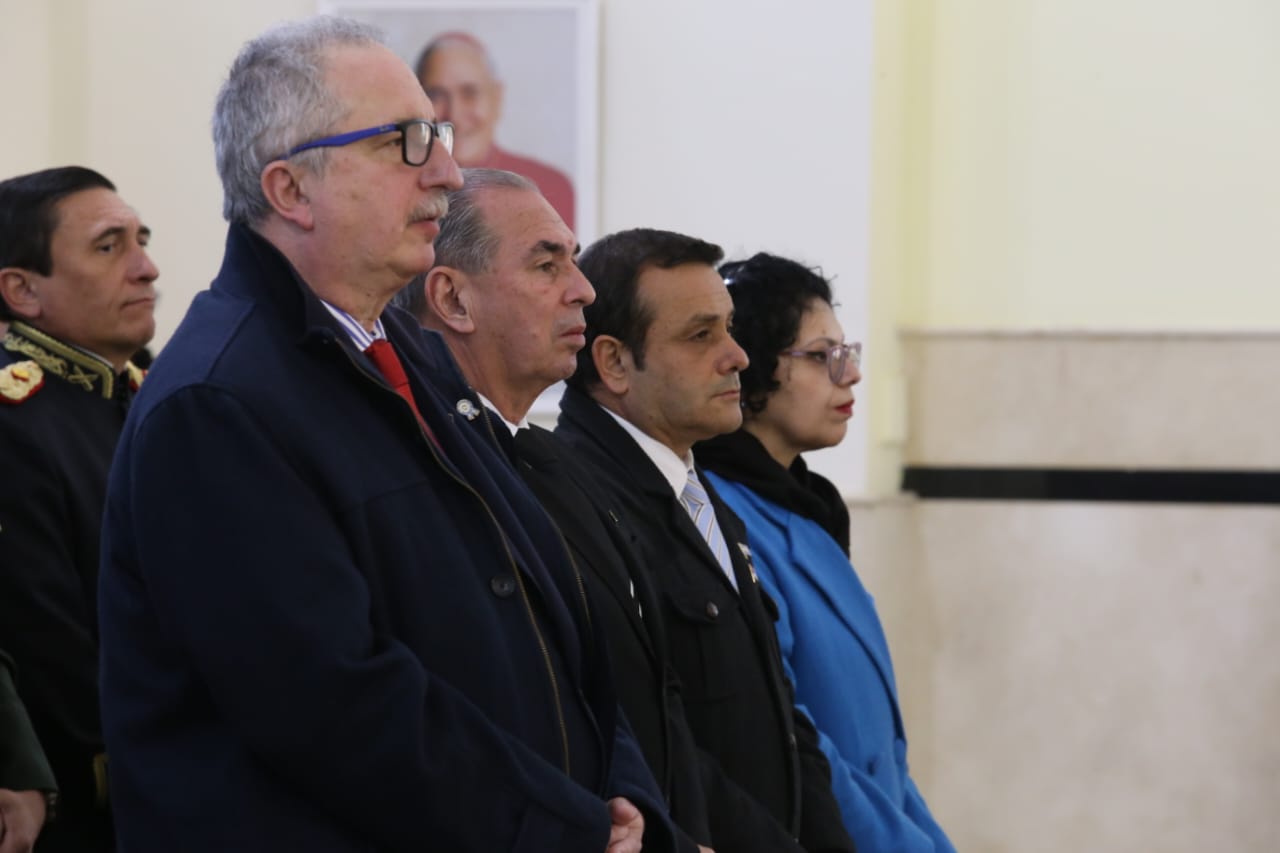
pixel 704 802
pixel 324 631
pixel 738 702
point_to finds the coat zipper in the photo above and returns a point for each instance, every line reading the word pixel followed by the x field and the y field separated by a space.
pixel 515 569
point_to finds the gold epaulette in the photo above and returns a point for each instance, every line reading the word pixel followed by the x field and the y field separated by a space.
pixel 78 367
pixel 136 375
pixel 20 381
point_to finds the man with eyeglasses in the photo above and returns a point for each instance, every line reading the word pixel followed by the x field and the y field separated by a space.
pixel 659 372
pixel 332 617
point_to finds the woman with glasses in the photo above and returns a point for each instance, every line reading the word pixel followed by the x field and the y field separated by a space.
pixel 797 395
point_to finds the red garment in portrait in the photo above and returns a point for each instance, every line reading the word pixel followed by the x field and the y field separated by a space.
pixel 553 183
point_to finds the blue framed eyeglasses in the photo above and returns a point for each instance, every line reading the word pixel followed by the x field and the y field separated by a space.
pixel 837 359
pixel 417 136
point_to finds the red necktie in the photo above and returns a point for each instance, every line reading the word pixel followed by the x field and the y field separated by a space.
pixel 384 357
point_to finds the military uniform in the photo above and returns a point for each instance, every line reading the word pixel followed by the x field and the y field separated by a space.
pixel 61 412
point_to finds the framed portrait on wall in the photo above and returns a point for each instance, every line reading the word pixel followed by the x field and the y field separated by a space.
pixel 518 79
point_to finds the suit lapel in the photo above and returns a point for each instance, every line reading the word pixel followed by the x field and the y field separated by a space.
pixel 571 499
pixel 846 596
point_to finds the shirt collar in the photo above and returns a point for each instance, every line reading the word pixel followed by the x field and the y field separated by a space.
pixel 514 428
pixel 674 469
pixel 358 334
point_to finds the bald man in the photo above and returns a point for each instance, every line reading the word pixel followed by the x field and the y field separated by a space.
pixel 459 77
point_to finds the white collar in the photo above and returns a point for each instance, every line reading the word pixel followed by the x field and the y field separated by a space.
pixel 524 422
pixel 673 469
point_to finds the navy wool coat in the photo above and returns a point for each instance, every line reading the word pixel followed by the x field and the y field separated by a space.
pixel 320 630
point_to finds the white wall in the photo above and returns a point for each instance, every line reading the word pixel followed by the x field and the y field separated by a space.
pixel 747 125
pixel 1089 165
pixel 1101 164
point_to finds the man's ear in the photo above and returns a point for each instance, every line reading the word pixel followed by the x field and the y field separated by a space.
pixel 19 293
pixel 613 362
pixel 448 293
pixel 282 185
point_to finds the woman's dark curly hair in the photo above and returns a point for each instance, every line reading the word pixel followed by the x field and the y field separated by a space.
pixel 770 296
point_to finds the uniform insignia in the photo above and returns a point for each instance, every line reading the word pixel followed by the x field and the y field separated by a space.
pixel 136 375
pixel 19 381
pixel 467 409
pixel 77 376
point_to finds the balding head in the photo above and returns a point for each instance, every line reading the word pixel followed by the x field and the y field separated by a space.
pixel 506 292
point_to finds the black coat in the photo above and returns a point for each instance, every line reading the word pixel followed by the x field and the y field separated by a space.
pixel 56 446
pixel 737 699
pixel 704 802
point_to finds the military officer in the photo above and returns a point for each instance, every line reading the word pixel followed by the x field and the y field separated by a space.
pixel 77 293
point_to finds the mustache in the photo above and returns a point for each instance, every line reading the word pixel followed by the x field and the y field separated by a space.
pixel 732 385
pixel 434 207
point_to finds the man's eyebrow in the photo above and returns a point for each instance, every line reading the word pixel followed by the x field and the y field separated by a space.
pixel 697 321
pixel 110 231
pixel 119 231
pixel 550 247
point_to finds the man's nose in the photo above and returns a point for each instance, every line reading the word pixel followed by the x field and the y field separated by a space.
pixel 143 268
pixel 580 290
pixel 440 170
pixel 736 358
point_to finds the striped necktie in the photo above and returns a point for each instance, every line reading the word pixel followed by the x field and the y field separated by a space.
pixel 698 504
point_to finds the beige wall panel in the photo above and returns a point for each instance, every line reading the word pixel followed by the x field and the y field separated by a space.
pixel 1064 399
pixel 1085 676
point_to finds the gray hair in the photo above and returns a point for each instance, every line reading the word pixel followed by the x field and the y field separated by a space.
pixel 274 98
pixel 465 241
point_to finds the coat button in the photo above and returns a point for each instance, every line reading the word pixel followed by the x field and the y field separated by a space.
pixel 502 585
pixel 713 610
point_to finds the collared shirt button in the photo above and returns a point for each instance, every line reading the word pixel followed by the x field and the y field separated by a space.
pixel 502 585
pixel 713 610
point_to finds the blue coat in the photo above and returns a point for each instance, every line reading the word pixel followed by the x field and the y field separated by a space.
pixel 836 655
pixel 322 632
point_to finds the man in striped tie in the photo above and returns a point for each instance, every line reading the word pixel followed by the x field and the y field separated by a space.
pixel 658 373
pixel 508 298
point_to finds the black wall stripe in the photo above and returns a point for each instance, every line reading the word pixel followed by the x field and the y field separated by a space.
pixel 1101 484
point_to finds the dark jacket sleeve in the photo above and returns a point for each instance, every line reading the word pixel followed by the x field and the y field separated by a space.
pixel 22 763
pixel 821 824
pixel 738 822
pixel 630 777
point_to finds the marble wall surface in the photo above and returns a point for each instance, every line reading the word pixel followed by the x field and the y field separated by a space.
pixel 1088 676
pixel 1088 399
pixel 1085 676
